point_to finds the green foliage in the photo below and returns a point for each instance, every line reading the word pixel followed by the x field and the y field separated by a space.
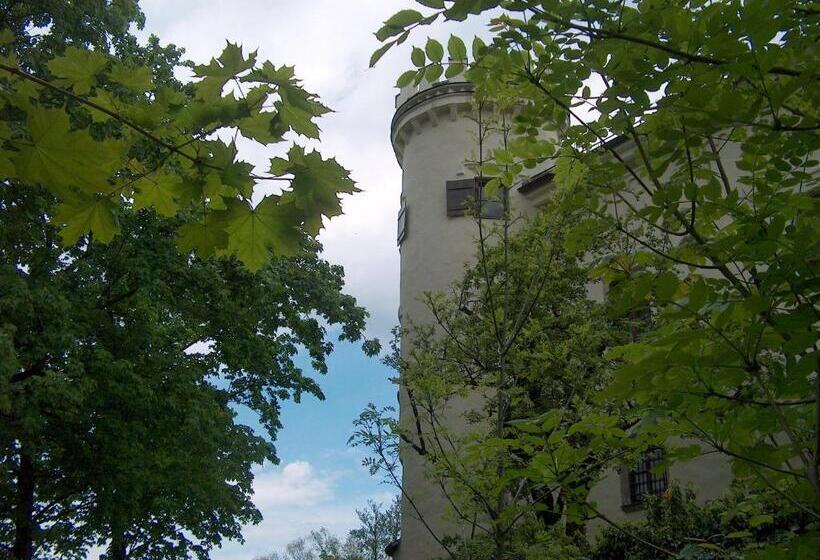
pixel 123 360
pixel 523 347
pixel 377 528
pixel 686 141
pixel 98 134
pixel 115 398
pixel 738 525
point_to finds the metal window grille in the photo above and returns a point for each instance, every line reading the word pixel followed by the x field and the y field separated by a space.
pixel 642 481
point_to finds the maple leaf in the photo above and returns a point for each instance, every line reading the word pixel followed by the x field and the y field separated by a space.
pixel 220 70
pixel 254 232
pixel 205 236
pixel 260 127
pixel 315 187
pixel 136 78
pixel 234 173
pixel 296 107
pixel 78 68
pixel 158 190
pixel 59 158
pixel 80 214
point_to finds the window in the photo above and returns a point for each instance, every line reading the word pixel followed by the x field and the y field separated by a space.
pixel 641 481
pixel 402 224
pixel 462 195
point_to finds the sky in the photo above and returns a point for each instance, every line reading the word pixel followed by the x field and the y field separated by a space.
pixel 320 481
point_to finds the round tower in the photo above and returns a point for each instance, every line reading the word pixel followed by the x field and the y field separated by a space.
pixel 434 133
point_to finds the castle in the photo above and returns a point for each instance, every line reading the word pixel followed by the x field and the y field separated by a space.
pixel 433 135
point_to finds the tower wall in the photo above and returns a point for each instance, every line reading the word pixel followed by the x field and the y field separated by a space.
pixel 434 134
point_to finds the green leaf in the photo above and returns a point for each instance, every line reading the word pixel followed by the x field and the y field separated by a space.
pixel 78 68
pixel 60 159
pixel 453 70
pixel 80 214
pixel 417 57
pixel 761 519
pixel 136 78
pixel 397 23
pixel 436 4
pixel 666 286
pixel 433 72
pixel 478 48
pixel 406 78
pixel 216 74
pixel 260 127
pixel 254 232
pixel 403 18
pixel 457 49
pixel 316 185
pixel 569 171
pixel 434 50
pixel 379 53
pixel 206 237
pixel 158 190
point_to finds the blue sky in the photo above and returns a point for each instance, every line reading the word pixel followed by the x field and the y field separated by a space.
pixel 320 480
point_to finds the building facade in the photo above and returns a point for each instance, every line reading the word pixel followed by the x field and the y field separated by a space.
pixel 434 134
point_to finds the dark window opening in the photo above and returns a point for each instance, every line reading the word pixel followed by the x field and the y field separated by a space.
pixel 462 195
pixel 402 225
pixel 642 479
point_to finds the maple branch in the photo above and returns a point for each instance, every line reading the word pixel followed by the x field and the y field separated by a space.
pixel 119 118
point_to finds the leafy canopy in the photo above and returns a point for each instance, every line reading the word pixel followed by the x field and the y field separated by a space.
pixel 686 135
pixel 99 134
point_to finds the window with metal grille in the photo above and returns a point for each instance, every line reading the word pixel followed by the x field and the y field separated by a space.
pixel 642 480
pixel 462 195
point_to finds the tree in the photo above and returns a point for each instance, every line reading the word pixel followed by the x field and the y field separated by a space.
pixel 517 349
pixel 124 362
pixel 377 529
pixel 106 396
pixel 739 524
pixel 688 135
pixel 97 132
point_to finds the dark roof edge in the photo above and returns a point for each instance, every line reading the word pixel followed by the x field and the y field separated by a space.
pixel 545 177
pixel 537 181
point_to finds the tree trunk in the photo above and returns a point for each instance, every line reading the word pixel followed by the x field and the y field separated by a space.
pixel 117 548
pixel 23 546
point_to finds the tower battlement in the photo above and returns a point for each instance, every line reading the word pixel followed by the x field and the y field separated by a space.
pixel 424 106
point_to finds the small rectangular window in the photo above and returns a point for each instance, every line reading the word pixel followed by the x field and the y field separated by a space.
pixel 462 195
pixel 402 225
pixel 641 481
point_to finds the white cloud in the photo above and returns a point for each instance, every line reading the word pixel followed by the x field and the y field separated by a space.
pixel 295 500
pixel 296 484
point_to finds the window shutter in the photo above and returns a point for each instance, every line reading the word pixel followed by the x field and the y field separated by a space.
pixel 402 225
pixel 461 194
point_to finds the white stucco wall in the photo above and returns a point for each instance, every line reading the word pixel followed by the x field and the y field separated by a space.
pixel 433 135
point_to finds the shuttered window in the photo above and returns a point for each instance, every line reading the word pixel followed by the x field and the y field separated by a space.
pixel 463 194
pixel 402 225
